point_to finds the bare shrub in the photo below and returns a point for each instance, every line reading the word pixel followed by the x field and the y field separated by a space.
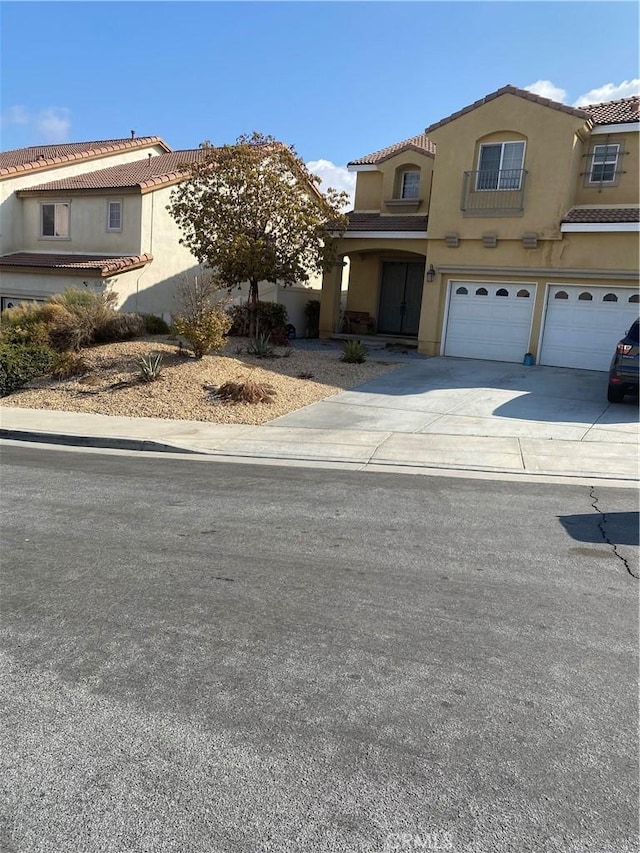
pixel 245 392
pixel 202 320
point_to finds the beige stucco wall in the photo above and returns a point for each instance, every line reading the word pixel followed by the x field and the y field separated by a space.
pixel 11 234
pixel 374 188
pixel 368 195
pixel 87 225
pixel 551 159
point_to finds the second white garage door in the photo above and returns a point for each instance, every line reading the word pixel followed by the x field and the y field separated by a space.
pixel 488 320
pixel 583 324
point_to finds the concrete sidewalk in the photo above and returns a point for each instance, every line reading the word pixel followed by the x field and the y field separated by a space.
pixel 360 448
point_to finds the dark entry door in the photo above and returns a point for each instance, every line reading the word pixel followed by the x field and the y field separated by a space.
pixel 400 297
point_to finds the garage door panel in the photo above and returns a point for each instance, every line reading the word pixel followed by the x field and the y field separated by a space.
pixel 491 326
pixel 583 332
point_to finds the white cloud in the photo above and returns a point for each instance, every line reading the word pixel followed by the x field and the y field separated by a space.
pixel 54 123
pixel 16 115
pixel 334 176
pixel 547 89
pixel 610 92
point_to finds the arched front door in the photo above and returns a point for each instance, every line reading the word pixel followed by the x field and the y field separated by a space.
pixel 400 297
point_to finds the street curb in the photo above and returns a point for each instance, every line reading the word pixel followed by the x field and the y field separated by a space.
pixel 94 441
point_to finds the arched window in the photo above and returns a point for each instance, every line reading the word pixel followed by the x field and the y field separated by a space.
pixel 462 291
pixel 482 291
pixel 634 298
pixel 410 185
pixel 502 292
pixel 524 294
pixel 610 297
pixel 561 294
pixel 585 296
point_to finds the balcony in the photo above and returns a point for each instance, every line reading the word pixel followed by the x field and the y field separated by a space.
pixel 494 193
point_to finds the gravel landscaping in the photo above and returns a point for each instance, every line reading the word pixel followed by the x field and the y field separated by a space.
pixel 185 390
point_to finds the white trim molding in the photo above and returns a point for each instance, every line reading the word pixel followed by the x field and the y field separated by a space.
pixel 631 127
pixel 569 227
pixel 363 167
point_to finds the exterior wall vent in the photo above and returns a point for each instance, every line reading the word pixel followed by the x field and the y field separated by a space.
pixel 530 241
pixel 452 241
pixel 489 241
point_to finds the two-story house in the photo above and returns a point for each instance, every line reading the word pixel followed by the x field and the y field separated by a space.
pixel 92 215
pixel 510 227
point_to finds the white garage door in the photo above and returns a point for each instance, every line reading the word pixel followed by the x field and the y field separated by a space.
pixel 583 324
pixel 489 320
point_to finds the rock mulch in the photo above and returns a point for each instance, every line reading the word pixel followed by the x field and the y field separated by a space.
pixel 186 387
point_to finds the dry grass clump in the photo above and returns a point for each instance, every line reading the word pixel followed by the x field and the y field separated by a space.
pixel 245 392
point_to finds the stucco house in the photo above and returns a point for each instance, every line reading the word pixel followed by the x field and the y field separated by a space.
pixel 94 215
pixel 509 227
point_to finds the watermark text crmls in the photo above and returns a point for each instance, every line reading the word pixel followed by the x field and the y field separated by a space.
pixel 418 841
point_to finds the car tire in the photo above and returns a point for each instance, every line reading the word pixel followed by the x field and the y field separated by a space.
pixel 615 394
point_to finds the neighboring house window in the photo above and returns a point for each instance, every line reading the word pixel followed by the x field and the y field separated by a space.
pixel 54 220
pixel 604 164
pixel 410 187
pixel 114 216
pixel 500 166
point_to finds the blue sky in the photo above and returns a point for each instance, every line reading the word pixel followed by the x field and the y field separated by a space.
pixel 335 79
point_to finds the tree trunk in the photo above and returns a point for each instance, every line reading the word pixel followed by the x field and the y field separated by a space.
pixel 253 307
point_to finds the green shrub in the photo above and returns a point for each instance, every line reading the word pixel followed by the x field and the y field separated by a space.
pixel 354 352
pixel 312 315
pixel 24 324
pixel 119 327
pixel 205 331
pixel 154 325
pixel 271 318
pixel 21 364
pixel 150 367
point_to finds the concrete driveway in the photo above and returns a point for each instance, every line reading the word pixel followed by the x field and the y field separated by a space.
pixel 464 397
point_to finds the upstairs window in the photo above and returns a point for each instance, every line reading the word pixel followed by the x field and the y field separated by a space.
pixel 54 220
pixel 604 164
pixel 114 216
pixel 500 166
pixel 410 185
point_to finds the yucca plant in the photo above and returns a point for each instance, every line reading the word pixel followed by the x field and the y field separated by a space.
pixel 261 347
pixel 150 367
pixel 354 352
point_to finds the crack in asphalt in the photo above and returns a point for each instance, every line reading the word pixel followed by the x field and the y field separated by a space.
pixel 605 538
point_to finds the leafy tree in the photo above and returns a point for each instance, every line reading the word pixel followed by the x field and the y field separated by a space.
pixel 253 212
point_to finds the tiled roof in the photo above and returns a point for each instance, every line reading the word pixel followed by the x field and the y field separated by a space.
pixel 104 265
pixel 138 175
pixel 376 222
pixel 45 156
pixel 421 143
pixel 520 93
pixel 603 214
pixel 624 111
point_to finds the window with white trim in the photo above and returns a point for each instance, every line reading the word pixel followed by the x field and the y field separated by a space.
pixel 410 185
pixel 114 215
pixel 500 166
pixel 604 164
pixel 54 220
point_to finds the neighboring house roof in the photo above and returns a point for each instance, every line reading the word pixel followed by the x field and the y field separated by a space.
pixel 421 144
pixel 624 111
pixel 39 157
pixel 520 93
pixel 376 222
pixel 137 176
pixel 103 265
pixel 603 214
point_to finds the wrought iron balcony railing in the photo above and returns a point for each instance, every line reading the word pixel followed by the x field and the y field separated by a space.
pixel 494 192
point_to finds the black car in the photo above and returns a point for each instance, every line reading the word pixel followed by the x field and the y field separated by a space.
pixel 623 373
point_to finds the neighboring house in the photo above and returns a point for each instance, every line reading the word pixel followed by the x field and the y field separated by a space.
pixel 94 215
pixel 509 227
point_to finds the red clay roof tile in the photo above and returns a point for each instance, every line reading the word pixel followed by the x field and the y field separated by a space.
pixel 603 214
pixel 376 222
pixel 623 111
pixel 104 265
pixel 45 156
pixel 421 143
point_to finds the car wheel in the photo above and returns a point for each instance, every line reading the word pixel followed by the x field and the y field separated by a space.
pixel 615 394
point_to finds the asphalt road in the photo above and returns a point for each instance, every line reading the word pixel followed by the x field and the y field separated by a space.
pixel 201 656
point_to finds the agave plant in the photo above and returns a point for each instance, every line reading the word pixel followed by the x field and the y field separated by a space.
pixel 150 367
